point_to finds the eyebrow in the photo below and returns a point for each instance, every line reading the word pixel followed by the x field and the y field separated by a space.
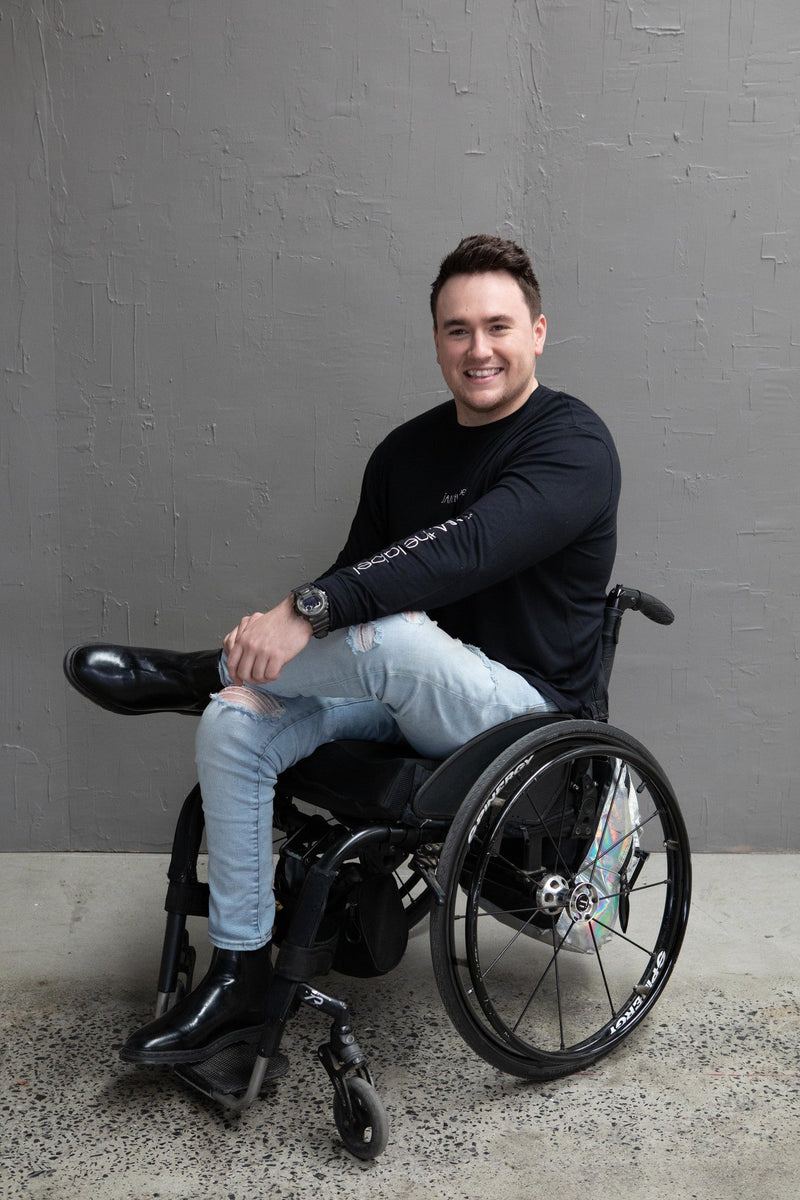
pixel 454 321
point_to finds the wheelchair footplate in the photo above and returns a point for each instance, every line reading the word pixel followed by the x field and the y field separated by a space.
pixel 230 1073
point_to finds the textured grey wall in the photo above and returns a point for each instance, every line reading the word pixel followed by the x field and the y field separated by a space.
pixel 219 223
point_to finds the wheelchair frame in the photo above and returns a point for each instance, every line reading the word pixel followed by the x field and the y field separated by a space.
pixel 554 861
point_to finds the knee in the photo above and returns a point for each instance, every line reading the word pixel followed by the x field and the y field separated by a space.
pixel 229 717
pixel 249 700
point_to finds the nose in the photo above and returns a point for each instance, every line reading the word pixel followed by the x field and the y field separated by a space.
pixel 479 346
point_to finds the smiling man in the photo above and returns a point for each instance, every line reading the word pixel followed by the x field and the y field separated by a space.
pixel 470 590
pixel 488 337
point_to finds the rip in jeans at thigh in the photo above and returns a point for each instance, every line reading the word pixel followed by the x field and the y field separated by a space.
pixel 484 658
pixel 361 638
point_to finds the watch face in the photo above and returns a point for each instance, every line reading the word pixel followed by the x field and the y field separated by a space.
pixel 311 604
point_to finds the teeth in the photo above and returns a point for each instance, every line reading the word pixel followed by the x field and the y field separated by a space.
pixel 484 374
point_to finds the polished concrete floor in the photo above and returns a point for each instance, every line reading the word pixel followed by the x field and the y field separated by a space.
pixel 701 1103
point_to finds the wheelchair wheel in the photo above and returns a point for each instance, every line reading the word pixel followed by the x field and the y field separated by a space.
pixel 365 1131
pixel 567 881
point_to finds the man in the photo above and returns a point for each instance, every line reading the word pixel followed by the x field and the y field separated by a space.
pixel 470 590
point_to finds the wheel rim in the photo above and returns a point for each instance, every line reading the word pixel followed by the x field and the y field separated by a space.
pixel 523 991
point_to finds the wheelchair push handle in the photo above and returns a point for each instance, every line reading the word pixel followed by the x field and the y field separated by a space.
pixel 622 598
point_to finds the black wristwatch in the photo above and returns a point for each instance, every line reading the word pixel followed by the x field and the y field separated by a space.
pixel 312 603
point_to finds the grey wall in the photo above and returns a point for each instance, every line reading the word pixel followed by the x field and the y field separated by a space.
pixel 219 224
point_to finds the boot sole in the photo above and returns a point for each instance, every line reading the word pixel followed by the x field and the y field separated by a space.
pixel 169 1058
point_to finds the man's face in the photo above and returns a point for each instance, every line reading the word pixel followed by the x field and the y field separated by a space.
pixel 486 345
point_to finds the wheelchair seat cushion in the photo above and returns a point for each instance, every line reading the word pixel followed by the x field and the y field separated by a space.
pixel 360 780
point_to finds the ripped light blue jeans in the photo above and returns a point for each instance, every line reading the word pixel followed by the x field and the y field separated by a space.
pixel 398 677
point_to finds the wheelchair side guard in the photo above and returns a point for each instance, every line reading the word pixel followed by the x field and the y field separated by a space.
pixel 441 795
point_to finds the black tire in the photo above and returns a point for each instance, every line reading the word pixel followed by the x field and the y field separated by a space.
pixel 366 1132
pixel 525 888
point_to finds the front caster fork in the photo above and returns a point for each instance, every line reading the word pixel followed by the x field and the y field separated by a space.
pixel 358 1110
pixel 342 1055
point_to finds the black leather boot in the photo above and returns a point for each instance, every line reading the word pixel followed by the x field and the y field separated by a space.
pixel 226 1006
pixel 134 680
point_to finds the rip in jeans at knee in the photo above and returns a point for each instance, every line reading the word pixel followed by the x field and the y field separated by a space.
pixel 246 698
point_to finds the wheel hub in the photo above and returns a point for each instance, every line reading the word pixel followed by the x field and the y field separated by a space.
pixel 552 894
pixel 583 903
pixel 581 900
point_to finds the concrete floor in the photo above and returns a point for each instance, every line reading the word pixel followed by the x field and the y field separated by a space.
pixel 701 1103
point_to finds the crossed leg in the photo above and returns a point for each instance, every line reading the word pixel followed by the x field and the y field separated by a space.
pixel 398 677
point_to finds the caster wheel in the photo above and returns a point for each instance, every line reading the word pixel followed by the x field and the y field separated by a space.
pixel 366 1132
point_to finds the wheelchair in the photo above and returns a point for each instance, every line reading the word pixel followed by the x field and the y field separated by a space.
pixel 549 854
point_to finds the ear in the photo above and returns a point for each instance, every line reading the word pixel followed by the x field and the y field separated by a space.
pixel 539 333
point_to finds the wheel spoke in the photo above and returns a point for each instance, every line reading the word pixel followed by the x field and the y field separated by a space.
pixel 494 913
pixel 405 887
pixel 553 962
pixel 602 970
pixel 505 949
pixel 559 1007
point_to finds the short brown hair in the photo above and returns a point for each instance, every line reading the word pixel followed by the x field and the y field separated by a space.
pixel 483 252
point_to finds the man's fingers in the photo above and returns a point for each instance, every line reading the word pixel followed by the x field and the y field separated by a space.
pixel 262 643
pixel 236 647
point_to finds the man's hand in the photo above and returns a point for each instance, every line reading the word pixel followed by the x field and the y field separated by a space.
pixel 262 643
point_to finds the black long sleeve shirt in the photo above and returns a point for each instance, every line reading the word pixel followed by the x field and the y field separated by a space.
pixel 504 533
